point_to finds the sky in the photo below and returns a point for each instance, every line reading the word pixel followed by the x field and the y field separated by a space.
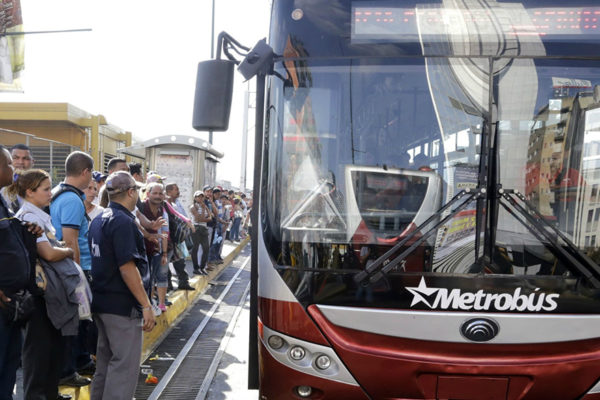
pixel 137 66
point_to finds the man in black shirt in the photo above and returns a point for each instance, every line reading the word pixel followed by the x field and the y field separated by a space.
pixel 120 283
pixel 15 277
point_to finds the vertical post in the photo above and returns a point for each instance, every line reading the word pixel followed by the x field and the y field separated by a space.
pixel 52 158
pixel 212 54
pixel 244 141
pixel 95 143
pixel 212 32
pixel 255 218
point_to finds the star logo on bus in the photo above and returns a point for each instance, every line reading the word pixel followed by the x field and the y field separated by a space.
pixel 421 293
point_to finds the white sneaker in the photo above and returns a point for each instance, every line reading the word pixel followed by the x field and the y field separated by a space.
pixel 157 311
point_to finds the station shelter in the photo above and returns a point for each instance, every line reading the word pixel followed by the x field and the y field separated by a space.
pixel 188 161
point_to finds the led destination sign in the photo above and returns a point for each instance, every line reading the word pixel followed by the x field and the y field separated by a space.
pixel 398 24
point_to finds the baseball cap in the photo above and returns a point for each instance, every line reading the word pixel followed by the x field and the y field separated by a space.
pixel 98 176
pixel 119 182
pixel 198 193
pixel 206 187
pixel 216 189
pixel 154 177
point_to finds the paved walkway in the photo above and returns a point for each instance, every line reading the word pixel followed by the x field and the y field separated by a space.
pixel 231 379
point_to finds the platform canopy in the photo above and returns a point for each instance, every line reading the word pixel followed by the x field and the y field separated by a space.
pixel 181 140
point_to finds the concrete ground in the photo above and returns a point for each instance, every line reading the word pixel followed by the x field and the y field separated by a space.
pixel 231 379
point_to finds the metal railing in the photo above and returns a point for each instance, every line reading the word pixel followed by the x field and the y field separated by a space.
pixel 49 155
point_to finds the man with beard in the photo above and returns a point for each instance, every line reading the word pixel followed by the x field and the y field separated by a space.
pixel 157 253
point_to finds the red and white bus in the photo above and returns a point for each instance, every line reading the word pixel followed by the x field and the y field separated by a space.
pixel 427 198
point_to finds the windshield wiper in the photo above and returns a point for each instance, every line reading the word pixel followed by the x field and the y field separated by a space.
pixel 386 263
pixel 538 226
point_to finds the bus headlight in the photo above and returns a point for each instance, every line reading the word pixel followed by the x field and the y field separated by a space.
pixel 276 342
pixel 323 362
pixel 297 353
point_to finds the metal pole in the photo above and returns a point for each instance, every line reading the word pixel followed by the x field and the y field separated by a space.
pixel 244 141
pixel 212 54
pixel 51 157
pixel 212 32
pixel 44 32
pixel 255 217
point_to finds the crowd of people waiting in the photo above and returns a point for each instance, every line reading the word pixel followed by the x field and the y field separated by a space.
pixel 85 267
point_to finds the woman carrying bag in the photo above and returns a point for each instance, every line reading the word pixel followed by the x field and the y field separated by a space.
pixel 43 347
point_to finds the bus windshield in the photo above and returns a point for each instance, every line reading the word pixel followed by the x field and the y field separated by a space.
pixel 359 152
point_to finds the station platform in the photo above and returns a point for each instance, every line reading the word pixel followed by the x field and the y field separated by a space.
pixel 182 300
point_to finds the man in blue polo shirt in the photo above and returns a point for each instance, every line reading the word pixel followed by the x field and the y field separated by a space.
pixel 68 211
pixel 70 221
pixel 120 284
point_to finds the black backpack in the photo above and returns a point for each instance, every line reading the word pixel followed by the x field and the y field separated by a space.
pixel 178 228
pixel 63 189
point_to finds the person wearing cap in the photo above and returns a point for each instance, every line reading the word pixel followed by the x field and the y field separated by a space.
pixel 120 287
pixel 114 165
pixel 153 177
pixel 201 215
pixel 214 256
pixel 209 203
pixel 234 235
pixel 119 164
pixel 99 178
pixel 227 216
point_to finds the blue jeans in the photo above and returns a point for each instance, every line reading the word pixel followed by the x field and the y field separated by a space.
pixel 159 271
pixel 235 229
pixel 10 356
pixel 215 247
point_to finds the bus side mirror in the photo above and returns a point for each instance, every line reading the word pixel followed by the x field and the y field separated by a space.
pixel 259 59
pixel 214 91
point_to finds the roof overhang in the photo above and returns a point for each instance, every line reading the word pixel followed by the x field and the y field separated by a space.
pixel 45 112
pixel 129 151
pixel 181 140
